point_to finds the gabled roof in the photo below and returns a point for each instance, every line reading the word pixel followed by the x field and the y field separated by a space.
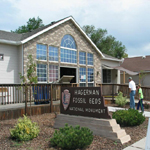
pixel 108 57
pixel 15 39
pixel 137 64
pixel 18 39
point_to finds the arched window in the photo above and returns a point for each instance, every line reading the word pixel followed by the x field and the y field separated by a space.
pixel 68 49
pixel 68 41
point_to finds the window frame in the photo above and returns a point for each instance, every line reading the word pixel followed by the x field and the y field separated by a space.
pixel 38 54
pixel 37 72
pixel 88 76
pixel 53 53
pixel 107 76
pixel 53 70
pixel 67 53
pixel 82 57
pixel 82 73
pixel 88 62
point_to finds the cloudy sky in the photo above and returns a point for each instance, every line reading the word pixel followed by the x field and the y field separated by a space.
pixel 127 20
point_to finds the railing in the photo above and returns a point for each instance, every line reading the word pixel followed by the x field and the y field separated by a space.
pixel 43 93
pixel 39 93
pixel 111 90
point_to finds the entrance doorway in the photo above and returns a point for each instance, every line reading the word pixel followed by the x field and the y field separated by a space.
pixel 68 71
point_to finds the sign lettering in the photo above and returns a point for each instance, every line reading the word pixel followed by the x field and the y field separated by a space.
pixel 83 101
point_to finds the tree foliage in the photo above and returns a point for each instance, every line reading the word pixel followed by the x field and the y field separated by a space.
pixel 32 24
pixel 30 78
pixel 106 43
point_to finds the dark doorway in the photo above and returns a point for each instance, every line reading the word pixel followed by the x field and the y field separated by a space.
pixel 68 71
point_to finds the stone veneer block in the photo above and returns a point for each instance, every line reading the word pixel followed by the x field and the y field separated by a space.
pixel 103 127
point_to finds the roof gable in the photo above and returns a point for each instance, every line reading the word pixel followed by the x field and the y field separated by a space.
pixel 23 38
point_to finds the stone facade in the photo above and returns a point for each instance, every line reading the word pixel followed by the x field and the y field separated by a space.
pixel 53 37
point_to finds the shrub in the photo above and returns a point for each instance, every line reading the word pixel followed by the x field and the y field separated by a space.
pixel 25 129
pixel 128 117
pixel 120 100
pixel 147 105
pixel 72 138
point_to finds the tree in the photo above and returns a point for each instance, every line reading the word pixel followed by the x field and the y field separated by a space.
pixel 32 24
pixel 29 79
pixel 106 43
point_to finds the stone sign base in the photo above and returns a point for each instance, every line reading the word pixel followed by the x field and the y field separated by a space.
pixel 103 127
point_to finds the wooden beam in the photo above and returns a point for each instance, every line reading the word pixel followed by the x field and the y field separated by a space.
pixel 124 77
pixel 51 98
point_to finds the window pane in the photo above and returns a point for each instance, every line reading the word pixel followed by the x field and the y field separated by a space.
pixel 41 52
pixel 90 84
pixel 53 73
pixel 90 75
pixel 82 84
pixel 82 58
pixel 106 76
pixel 90 59
pixel 69 56
pixel 82 74
pixel 53 53
pixel 41 72
pixel 68 41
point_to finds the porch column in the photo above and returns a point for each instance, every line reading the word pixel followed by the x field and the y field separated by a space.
pixel 124 77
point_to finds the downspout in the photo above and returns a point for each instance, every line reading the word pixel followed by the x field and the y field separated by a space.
pixel 22 61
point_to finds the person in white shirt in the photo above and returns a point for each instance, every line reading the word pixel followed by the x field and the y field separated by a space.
pixel 132 88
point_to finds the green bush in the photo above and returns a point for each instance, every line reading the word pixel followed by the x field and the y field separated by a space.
pixel 120 100
pixel 128 117
pixel 72 138
pixel 25 129
pixel 147 105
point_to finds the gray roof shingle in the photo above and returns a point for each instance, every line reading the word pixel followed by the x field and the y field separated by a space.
pixel 137 64
pixel 10 36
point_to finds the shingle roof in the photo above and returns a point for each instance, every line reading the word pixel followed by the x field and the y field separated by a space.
pixel 15 37
pixel 4 35
pixel 137 64
pixel 111 57
pixel 10 36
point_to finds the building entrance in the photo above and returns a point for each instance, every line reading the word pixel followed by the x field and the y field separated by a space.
pixel 68 71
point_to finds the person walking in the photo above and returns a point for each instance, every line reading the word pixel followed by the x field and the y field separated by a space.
pixel 140 103
pixel 132 89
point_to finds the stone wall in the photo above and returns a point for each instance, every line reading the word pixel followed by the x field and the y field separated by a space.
pixel 54 36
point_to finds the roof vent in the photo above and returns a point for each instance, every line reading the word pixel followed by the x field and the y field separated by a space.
pixel 52 22
pixel 143 57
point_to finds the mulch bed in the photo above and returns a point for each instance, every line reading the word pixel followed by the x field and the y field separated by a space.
pixel 42 142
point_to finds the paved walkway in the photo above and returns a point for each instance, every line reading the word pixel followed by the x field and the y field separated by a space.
pixel 139 145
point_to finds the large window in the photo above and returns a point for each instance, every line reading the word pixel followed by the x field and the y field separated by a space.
pixel 68 50
pixel 106 76
pixel 41 72
pixel 69 56
pixel 82 76
pixel 53 73
pixel 90 76
pixel 68 41
pixel 82 58
pixel 90 59
pixel 53 53
pixel 41 52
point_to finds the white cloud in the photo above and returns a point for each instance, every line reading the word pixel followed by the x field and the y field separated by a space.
pixel 146 48
pixel 127 20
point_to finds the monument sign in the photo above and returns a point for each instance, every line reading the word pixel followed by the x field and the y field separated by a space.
pixel 83 101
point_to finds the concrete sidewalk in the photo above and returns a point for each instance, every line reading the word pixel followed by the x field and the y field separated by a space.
pixel 139 145
pixel 113 109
